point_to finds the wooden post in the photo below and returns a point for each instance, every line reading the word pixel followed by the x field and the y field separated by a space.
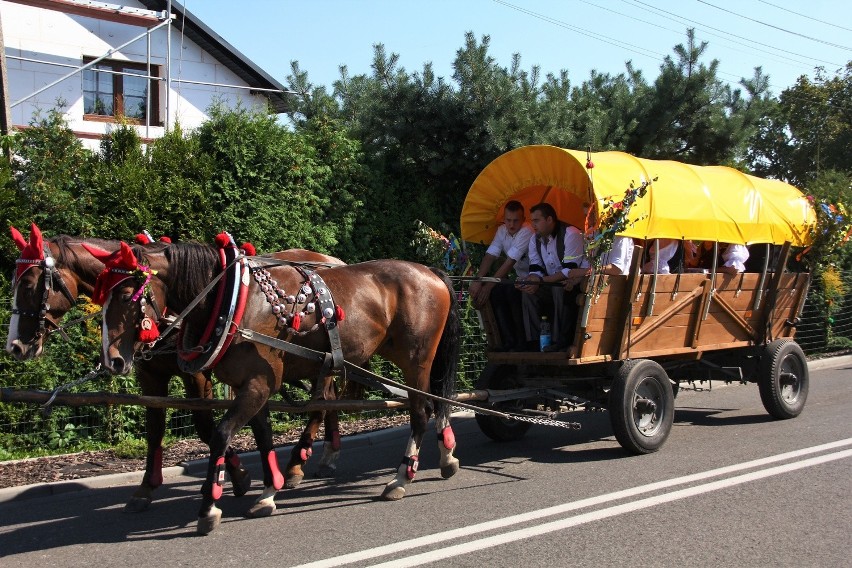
pixel 771 295
pixel 627 302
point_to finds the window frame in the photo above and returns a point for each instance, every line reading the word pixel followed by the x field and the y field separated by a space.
pixel 116 71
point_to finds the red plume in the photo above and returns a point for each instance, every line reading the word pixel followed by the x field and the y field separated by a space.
pixel 223 240
pixel 142 239
pixel 20 242
pixel 249 249
pixel 149 334
pixel 165 239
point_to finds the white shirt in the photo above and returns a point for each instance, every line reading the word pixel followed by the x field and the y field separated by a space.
pixel 668 248
pixel 735 255
pixel 514 246
pixel 620 255
pixel 574 252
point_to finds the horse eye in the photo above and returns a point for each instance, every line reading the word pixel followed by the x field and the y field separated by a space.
pixel 126 297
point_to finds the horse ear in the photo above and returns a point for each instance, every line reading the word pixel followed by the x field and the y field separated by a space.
pixel 20 242
pixel 127 256
pixel 35 237
pixel 98 253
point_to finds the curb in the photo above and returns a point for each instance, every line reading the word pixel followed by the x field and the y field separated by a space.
pixel 198 467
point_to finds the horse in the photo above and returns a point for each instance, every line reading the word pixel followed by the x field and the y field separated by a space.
pixel 43 294
pixel 402 311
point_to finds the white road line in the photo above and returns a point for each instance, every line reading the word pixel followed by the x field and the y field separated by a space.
pixel 538 530
pixel 408 545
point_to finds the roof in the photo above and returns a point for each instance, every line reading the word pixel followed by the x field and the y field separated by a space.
pixel 227 54
pixel 714 203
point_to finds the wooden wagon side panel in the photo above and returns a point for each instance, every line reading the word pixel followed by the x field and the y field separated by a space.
pixel 686 314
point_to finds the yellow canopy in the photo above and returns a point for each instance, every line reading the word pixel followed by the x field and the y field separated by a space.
pixel 708 203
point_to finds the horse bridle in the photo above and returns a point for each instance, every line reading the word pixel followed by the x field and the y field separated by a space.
pixel 143 295
pixel 52 279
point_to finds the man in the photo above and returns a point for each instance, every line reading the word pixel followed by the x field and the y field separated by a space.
pixel 512 240
pixel 557 253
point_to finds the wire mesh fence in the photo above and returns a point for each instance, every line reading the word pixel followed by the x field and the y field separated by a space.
pixel 825 326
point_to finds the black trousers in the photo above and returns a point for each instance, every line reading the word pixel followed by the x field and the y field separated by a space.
pixel 506 304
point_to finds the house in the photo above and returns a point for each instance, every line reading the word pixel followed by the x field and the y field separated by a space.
pixel 130 62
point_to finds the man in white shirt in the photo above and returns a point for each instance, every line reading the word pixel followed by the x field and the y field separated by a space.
pixel 667 250
pixel 556 253
pixel 512 240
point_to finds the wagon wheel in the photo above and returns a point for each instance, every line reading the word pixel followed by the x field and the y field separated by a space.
pixel 783 379
pixel 641 406
pixel 500 429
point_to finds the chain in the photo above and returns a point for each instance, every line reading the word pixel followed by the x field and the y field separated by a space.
pixel 47 408
pixel 525 418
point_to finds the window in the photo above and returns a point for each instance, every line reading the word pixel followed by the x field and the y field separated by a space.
pixel 113 89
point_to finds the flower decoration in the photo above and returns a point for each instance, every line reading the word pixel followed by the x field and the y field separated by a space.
pixel 614 219
pixel 436 249
pixel 832 230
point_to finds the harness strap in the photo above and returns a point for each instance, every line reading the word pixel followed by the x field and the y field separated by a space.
pixel 329 315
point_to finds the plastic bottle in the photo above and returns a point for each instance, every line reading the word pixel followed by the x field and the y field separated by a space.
pixel 544 333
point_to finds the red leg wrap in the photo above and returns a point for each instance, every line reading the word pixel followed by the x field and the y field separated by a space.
pixel 156 478
pixel 448 437
pixel 411 463
pixel 335 440
pixel 305 453
pixel 220 478
pixel 277 476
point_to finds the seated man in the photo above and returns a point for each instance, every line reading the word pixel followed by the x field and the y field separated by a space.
pixel 556 251
pixel 667 249
pixel 512 239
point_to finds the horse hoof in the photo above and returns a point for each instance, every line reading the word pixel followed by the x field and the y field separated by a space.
pixel 393 493
pixel 137 505
pixel 261 509
pixel 207 523
pixel 449 470
pixel 241 481
pixel 293 481
pixel 325 471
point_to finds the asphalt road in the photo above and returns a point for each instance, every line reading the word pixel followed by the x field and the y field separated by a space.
pixel 731 487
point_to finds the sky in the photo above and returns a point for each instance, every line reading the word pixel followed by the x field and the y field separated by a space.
pixel 787 38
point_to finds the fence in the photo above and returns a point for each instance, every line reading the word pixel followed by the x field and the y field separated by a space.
pixel 826 326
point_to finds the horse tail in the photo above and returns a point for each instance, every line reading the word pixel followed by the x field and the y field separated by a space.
pixel 442 381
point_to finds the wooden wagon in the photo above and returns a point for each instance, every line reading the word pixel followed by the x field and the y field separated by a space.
pixel 639 336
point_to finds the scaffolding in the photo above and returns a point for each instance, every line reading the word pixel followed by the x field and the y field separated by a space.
pixel 151 21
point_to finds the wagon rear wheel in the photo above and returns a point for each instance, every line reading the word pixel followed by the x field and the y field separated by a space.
pixel 784 379
pixel 641 406
pixel 499 377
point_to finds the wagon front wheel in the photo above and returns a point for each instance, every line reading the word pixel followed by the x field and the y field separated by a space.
pixel 641 406
pixel 499 377
pixel 784 379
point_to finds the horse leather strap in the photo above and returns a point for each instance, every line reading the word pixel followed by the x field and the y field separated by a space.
pixel 319 356
pixel 329 317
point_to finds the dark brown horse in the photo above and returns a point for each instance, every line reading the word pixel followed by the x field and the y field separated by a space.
pixel 42 295
pixel 402 311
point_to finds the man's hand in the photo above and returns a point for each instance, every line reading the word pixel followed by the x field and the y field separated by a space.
pixel 479 293
pixel 575 276
pixel 530 288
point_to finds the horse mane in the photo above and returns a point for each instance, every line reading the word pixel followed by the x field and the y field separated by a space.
pixel 66 244
pixel 196 263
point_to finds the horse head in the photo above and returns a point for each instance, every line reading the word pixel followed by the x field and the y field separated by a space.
pixel 132 299
pixel 43 290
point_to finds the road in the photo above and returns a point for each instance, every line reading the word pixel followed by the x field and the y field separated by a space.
pixel 731 487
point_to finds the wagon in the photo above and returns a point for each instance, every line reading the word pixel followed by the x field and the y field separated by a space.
pixel 639 337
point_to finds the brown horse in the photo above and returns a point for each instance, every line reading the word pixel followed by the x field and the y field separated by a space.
pixel 43 294
pixel 403 311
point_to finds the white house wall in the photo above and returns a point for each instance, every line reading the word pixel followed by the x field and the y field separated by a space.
pixel 57 37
